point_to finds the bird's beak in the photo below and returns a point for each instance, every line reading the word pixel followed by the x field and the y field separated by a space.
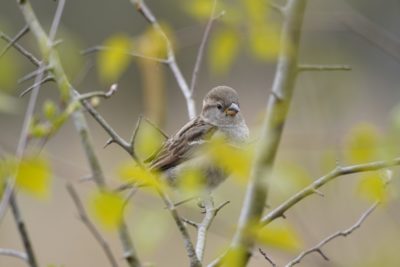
pixel 232 110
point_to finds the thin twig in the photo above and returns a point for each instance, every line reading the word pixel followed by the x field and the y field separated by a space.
pixel 32 74
pixel 268 258
pixel 311 189
pixel 318 248
pixel 10 43
pixel 91 227
pixel 203 43
pixel 13 253
pixel 148 15
pixel 23 231
pixel 210 213
pixel 313 67
pixel 108 94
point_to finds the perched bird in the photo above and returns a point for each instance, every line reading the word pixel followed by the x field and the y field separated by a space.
pixel 220 116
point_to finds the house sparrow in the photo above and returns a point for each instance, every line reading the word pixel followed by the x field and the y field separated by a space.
pixel 220 116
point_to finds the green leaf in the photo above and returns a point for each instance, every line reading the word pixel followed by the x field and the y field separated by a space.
pixel 114 60
pixel 107 208
pixel 223 49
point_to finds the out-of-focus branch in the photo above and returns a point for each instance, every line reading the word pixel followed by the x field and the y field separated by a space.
pixel 10 43
pixel 97 48
pixel 13 253
pixel 277 108
pixel 67 92
pixel 318 248
pixel 312 188
pixel 171 61
pixel 92 229
pixel 313 67
pixel 203 43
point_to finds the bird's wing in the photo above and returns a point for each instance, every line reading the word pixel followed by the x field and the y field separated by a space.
pixel 181 146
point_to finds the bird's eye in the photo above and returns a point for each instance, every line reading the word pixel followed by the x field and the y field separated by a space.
pixel 219 106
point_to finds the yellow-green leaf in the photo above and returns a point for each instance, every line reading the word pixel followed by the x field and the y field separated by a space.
pixel 33 175
pixel 372 187
pixel 236 160
pixel 115 58
pixel 191 181
pixel 279 235
pixel 235 257
pixel 50 110
pixel 223 49
pixel 148 140
pixel 287 179
pixel 132 173
pixel 264 41
pixel 107 207
pixel 363 143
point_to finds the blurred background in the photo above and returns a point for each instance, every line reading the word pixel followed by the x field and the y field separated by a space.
pixel 327 112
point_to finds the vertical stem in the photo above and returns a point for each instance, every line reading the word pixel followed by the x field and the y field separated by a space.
pixel 277 108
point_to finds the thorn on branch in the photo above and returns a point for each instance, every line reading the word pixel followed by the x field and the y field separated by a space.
pixel 221 206
pixel 319 251
pixel 33 74
pixel 189 222
pixel 109 142
pixel 316 191
pixel 48 78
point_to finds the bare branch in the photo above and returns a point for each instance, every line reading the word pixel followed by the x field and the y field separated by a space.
pixel 22 50
pixel 313 67
pixel 91 227
pixel 13 253
pixel 210 213
pixel 273 264
pixel 194 261
pixel 311 189
pixel 203 43
pixel 318 248
pixel 67 92
pixel 10 43
pixel 148 15
pixel 97 48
